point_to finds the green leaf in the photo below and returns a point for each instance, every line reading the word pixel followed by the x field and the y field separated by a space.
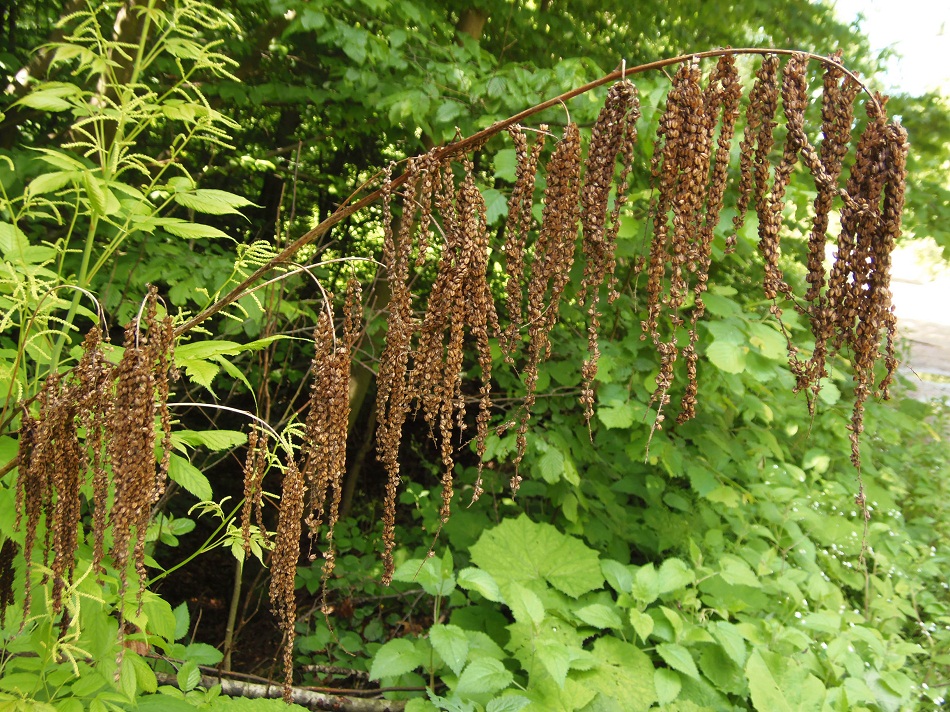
pixel 521 550
pixel 451 643
pixel 201 372
pixel 426 573
pixel 622 677
pixel 189 477
pixel 642 623
pixel 616 415
pixel 51 97
pixel 211 201
pixel 508 703
pixel 51 182
pixel 182 620
pixel 485 676
pixel 496 205
pixel 188 676
pixel 525 604
pixel 447 112
pixel 668 685
pixel 203 654
pixel 397 657
pixel 726 356
pixel 212 439
pixel 555 657
pixel 473 579
pixel 678 658
pixel 731 641
pixel 618 575
pixel 767 696
pixel 674 574
pixel 599 615
pixel 829 392
pixel 646 584
pixel 736 571
pixel 190 230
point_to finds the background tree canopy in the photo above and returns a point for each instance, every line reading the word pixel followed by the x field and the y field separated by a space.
pixel 720 563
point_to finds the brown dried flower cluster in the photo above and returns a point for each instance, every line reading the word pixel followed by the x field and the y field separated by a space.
pixel 550 269
pixel 614 135
pixel 116 406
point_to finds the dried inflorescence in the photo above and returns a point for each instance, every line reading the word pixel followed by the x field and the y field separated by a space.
pixel 141 392
pixel 519 222
pixel 550 268
pixel 614 136
pixel 327 420
pixel 283 563
pixel 255 465
pixel 116 407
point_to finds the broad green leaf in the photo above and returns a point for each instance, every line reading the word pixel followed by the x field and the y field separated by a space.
pixel 496 205
pixel 618 575
pixel 426 573
pixel 395 658
pixel 188 676
pixel 211 201
pixel 731 641
pixel 599 615
pixel 473 579
pixel 182 620
pixel 768 341
pixel 203 654
pixel 520 550
pixel 616 416
pixel 678 658
pixel 727 356
pixel 767 696
pixel 189 477
pixel 555 657
pixel 642 623
pixel 451 643
pixel 212 439
pixel 525 604
pixel 829 392
pixel 674 574
pixel 505 164
pixel 551 464
pixel 221 347
pixel 508 703
pixel 736 571
pixel 622 677
pixel 201 372
pixel 485 676
pixel 668 685
pixel 646 584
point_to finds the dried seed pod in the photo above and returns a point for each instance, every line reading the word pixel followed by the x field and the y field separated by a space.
pixel 283 564
pixel 255 465
pixel 392 389
pixel 516 229
pixel 550 269
pixel 757 141
pixel 614 134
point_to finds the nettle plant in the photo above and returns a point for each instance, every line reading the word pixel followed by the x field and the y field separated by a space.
pixel 87 435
